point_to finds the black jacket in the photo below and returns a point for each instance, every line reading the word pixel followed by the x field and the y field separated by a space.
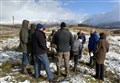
pixel 63 40
pixel 82 36
pixel 39 42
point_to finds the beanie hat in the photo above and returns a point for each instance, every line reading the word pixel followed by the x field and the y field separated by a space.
pixel 63 24
pixel 39 26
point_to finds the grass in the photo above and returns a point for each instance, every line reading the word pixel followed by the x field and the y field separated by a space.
pixel 6 66
pixel 7 32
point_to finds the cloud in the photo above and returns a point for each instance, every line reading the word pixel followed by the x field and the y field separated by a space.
pixel 105 17
pixel 37 10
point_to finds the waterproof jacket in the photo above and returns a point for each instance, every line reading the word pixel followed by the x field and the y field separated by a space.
pixel 101 49
pixel 31 31
pixel 24 37
pixel 39 42
pixel 63 40
pixel 92 41
pixel 76 47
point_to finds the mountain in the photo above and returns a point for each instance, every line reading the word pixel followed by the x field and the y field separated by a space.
pixel 110 25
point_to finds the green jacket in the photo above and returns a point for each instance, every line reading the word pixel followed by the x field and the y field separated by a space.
pixel 24 37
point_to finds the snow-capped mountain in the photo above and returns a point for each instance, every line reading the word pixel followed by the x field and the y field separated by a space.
pixel 109 19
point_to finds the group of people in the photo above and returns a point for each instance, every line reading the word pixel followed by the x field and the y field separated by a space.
pixel 33 43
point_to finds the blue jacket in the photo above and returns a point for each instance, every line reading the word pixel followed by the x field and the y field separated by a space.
pixel 92 42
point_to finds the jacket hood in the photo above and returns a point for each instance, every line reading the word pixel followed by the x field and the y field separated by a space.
pixel 25 24
pixel 32 26
pixel 95 33
pixel 75 37
pixel 102 36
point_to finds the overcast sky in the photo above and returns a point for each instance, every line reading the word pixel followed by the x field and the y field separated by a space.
pixel 48 10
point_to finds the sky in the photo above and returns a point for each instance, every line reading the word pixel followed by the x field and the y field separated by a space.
pixel 54 10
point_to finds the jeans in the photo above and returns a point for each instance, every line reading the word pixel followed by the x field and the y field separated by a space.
pixel 25 59
pixel 42 59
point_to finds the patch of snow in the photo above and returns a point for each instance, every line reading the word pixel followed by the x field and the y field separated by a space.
pixel 113 56
pixel 7 55
pixel 74 79
pixel 9 43
pixel 26 81
pixel 53 67
pixel 114 40
pixel 3 57
pixel 7 79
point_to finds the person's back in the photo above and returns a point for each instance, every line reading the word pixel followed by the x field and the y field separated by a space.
pixel 102 47
pixel 91 45
pixel 77 45
pixel 92 41
pixel 31 31
pixel 76 49
pixel 63 40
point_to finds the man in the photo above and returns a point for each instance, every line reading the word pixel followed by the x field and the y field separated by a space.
pixel 81 35
pixel 40 50
pixel 63 40
pixel 23 45
pixel 30 50
pixel 92 44
pixel 52 48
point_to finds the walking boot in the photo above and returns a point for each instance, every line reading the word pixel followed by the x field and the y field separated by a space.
pixel 67 72
pixel 58 71
pixel 75 68
pixel 28 69
pixel 24 69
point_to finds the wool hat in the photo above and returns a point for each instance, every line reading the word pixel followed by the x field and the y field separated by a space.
pixel 39 26
pixel 63 24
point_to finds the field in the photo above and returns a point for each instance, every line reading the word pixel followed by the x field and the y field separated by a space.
pixel 10 70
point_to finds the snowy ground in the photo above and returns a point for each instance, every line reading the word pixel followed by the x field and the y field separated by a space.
pixel 112 62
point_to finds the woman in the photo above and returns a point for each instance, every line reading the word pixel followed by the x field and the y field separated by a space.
pixel 102 48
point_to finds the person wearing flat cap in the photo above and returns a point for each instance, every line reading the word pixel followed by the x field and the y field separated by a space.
pixel 40 51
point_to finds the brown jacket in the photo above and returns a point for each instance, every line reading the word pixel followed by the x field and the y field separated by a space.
pixel 102 48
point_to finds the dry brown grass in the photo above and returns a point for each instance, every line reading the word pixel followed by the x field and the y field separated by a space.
pixel 7 32
pixel 87 30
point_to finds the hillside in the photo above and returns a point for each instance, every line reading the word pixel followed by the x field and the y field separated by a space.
pixel 11 67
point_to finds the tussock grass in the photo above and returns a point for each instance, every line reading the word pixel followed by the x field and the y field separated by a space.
pixel 7 31
pixel 6 66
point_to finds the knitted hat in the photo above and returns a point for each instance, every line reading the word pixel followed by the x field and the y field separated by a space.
pixel 63 24
pixel 39 26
